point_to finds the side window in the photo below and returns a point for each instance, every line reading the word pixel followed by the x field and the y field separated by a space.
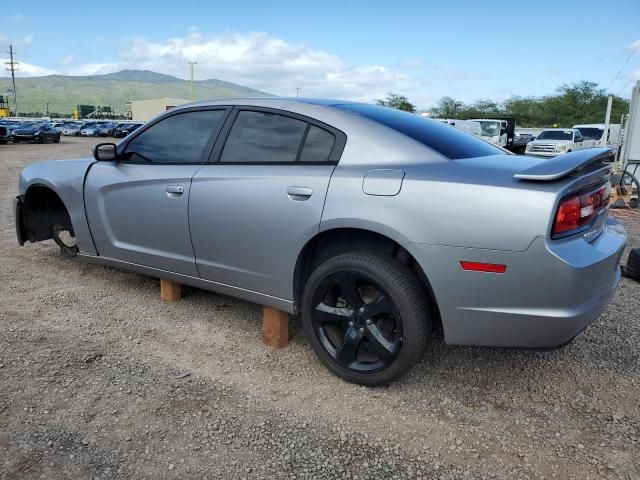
pixel 317 146
pixel 578 136
pixel 179 138
pixel 261 137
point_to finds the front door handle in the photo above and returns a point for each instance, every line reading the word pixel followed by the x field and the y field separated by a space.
pixel 299 193
pixel 174 191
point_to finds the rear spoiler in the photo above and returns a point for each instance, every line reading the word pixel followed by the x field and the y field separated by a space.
pixel 563 165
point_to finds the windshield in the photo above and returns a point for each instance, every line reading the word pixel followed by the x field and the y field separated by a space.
pixel 489 129
pixel 556 135
pixel 591 133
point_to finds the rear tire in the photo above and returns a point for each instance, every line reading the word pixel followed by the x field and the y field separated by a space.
pixel 366 317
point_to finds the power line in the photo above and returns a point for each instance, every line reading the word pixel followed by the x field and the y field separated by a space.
pixel 624 86
pixel 12 66
pixel 622 67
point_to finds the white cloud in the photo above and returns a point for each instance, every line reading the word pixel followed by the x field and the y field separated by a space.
pixel 28 69
pixel 267 63
pixel 273 65
pixel 92 69
pixel 635 45
pixel 16 18
pixel 636 75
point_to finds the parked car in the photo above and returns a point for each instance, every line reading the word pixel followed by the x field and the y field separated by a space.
pixel 106 129
pixel 375 225
pixel 72 129
pixel 5 135
pixel 59 126
pixel 40 132
pixel 520 141
pixel 555 141
pixel 126 129
pixel 91 130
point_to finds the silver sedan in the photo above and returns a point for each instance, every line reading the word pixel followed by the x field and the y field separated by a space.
pixel 374 225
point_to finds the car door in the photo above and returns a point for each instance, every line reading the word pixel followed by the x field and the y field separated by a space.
pixel 137 207
pixel 51 132
pixel 257 203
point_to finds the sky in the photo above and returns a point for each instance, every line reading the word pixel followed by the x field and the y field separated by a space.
pixel 354 50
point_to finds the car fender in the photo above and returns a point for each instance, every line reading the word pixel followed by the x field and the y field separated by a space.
pixel 65 178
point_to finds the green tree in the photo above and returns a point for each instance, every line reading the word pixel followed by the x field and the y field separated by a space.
pixel 399 102
pixel 447 108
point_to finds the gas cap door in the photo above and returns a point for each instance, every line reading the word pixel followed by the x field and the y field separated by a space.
pixel 383 182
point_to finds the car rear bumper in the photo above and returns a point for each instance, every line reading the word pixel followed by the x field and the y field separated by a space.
pixel 549 293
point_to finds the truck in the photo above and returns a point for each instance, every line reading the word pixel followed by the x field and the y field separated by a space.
pixel 555 141
pixel 603 135
pixel 492 130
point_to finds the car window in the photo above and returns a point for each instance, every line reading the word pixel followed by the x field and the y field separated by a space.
pixel 262 137
pixel 450 142
pixel 578 136
pixel 179 138
pixel 317 145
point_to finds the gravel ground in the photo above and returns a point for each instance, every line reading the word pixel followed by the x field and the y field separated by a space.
pixel 99 378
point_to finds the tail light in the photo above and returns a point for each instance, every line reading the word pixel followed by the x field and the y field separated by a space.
pixel 577 213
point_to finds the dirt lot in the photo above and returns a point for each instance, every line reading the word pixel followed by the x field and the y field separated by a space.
pixel 99 378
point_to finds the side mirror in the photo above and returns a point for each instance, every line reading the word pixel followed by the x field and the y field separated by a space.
pixel 105 152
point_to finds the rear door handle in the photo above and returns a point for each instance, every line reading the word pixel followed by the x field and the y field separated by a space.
pixel 174 190
pixel 299 193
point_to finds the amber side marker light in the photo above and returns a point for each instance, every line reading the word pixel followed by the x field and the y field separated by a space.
pixel 483 267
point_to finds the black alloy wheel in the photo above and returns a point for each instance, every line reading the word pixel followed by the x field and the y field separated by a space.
pixel 366 317
pixel 356 322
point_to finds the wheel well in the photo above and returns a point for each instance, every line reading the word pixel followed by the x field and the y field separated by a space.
pixel 41 209
pixel 331 243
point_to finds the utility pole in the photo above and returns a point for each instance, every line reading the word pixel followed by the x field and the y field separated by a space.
pixel 191 64
pixel 47 108
pixel 12 66
pixel 298 89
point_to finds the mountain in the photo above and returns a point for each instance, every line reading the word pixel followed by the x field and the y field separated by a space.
pixel 113 89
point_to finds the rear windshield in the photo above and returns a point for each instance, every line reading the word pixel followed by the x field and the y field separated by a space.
pixel 444 139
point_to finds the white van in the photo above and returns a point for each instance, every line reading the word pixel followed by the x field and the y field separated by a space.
pixel 596 132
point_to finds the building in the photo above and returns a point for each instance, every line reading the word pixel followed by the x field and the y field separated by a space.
pixel 143 110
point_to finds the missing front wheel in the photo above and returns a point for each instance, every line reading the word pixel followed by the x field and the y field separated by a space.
pixel 65 241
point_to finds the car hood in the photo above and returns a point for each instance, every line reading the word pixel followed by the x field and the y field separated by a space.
pixel 559 142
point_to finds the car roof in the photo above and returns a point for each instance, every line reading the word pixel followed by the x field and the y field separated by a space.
pixel 282 103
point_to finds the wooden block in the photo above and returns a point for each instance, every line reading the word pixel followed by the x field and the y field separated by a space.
pixel 275 327
pixel 170 291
